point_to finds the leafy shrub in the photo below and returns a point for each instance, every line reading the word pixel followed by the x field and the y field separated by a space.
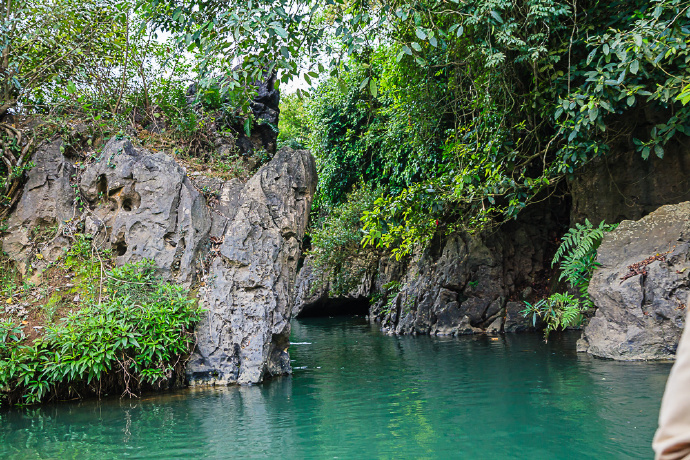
pixel 558 310
pixel 404 221
pixel 293 123
pixel 136 336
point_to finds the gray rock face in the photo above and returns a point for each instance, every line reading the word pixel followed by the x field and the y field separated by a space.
pixel 641 317
pixel 476 283
pixel 463 290
pixel 623 186
pixel 248 291
pixel 47 201
pixel 143 206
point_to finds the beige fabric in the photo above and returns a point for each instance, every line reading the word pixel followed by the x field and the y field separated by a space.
pixel 672 439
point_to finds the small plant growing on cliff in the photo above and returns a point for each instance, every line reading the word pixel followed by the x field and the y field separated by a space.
pixel 576 257
pixel 577 254
pixel 558 310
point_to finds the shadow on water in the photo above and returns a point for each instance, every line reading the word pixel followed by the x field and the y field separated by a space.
pixel 358 393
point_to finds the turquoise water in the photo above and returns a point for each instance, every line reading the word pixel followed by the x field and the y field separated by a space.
pixel 357 393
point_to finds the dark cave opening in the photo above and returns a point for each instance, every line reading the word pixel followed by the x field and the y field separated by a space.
pixel 335 307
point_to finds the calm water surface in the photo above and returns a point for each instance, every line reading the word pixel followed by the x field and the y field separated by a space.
pixel 357 393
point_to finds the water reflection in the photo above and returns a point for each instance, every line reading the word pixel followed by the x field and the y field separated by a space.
pixel 358 393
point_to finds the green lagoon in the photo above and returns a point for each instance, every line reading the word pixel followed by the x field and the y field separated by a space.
pixel 357 393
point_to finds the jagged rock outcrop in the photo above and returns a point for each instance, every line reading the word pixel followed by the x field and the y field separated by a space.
pixel 473 284
pixel 243 246
pixel 248 292
pixel 143 206
pixel 641 314
pixel 137 203
pixel 48 200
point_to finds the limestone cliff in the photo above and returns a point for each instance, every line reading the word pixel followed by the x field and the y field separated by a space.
pixel 461 284
pixel 248 288
pixel 240 244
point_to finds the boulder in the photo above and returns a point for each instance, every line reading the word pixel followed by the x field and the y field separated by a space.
pixel 248 289
pixel 641 311
pixel 241 246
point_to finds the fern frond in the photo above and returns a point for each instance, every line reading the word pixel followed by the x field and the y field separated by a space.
pixel 577 253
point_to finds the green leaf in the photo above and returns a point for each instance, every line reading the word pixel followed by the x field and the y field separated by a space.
pixel 659 151
pixel 416 46
pixel 372 87
pixel 634 66
pixel 593 113
pixel 280 31
pixel 420 34
pixel 638 39
pixel 645 153
pixel 684 96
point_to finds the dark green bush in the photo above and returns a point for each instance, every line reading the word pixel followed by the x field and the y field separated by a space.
pixel 136 337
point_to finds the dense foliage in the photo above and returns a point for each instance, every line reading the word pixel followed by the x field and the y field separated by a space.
pixel 576 256
pixel 337 259
pixel 129 331
pixel 465 112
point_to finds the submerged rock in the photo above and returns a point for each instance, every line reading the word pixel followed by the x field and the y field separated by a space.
pixel 248 293
pixel 641 312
